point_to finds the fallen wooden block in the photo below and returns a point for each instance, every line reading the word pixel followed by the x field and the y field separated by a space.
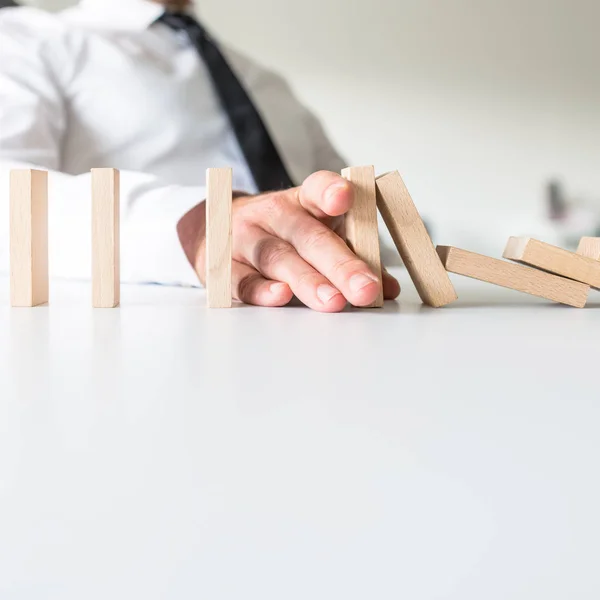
pixel 554 260
pixel 106 270
pixel 413 242
pixel 362 233
pixel 515 277
pixel 589 247
pixel 219 198
pixel 29 282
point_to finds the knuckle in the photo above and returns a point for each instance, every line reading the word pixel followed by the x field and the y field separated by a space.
pixel 269 251
pixel 275 204
pixel 265 208
pixel 317 237
pixel 347 265
pixel 241 228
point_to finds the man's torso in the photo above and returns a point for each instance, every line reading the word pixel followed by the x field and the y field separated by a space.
pixel 139 98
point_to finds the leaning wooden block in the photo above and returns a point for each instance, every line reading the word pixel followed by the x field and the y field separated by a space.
pixel 554 260
pixel 106 271
pixel 590 247
pixel 362 234
pixel 515 277
pixel 219 197
pixel 413 242
pixel 29 284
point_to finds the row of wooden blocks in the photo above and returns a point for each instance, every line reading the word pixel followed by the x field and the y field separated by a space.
pixel 29 274
pixel 544 270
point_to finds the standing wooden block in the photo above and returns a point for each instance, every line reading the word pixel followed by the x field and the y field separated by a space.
pixel 29 283
pixel 106 271
pixel 219 198
pixel 362 234
pixel 413 242
pixel 515 277
pixel 554 260
pixel 590 247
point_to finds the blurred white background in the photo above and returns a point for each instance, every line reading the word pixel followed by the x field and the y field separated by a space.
pixel 477 102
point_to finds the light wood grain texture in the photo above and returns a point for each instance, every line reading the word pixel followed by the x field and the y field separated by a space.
pixel 219 199
pixel 362 234
pixel 553 259
pixel 515 277
pixel 29 283
pixel 106 270
pixel 413 242
pixel 589 247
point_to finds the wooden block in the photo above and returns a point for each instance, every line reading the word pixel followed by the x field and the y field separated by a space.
pixel 515 277
pixel 219 198
pixel 554 260
pixel 413 242
pixel 29 284
pixel 362 234
pixel 590 247
pixel 106 271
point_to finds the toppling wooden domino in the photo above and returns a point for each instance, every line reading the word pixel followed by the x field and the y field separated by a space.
pixel 413 242
pixel 106 278
pixel 362 234
pixel 554 260
pixel 29 282
pixel 589 247
pixel 515 277
pixel 219 198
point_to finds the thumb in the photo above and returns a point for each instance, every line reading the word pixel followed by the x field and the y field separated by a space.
pixel 326 194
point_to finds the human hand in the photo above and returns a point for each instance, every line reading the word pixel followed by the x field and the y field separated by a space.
pixel 287 243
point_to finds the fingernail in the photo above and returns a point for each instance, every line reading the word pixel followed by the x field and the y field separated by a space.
pixel 278 288
pixel 358 282
pixel 333 189
pixel 325 293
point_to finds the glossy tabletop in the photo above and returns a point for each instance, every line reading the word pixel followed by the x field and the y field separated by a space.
pixel 162 450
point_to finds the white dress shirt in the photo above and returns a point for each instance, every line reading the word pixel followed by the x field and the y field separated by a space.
pixel 102 85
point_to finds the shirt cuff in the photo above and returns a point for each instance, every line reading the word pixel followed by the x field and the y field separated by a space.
pixel 150 247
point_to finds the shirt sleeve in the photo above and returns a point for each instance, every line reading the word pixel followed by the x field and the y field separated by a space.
pixel 33 123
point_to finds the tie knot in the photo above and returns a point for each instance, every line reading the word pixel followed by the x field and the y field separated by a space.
pixel 179 21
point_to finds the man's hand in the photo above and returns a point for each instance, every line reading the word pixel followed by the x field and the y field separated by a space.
pixel 287 243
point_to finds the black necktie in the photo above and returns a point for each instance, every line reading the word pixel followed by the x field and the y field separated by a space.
pixel 262 157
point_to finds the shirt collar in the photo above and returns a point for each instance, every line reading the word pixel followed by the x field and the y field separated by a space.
pixel 135 15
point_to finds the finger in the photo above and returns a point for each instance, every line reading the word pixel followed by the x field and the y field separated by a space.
pixel 277 260
pixel 326 252
pixel 391 286
pixel 251 287
pixel 326 194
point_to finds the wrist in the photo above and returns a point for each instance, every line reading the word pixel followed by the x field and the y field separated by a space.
pixel 191 230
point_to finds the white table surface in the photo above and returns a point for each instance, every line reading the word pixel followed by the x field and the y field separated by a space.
pixel 164 451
